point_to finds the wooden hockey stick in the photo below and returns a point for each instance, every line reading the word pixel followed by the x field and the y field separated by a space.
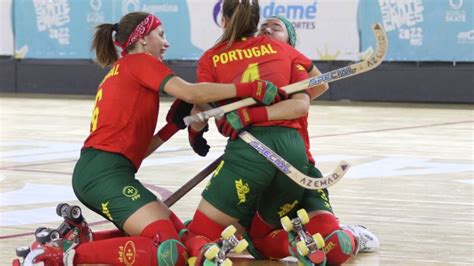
pixel 183 190
pixel 341 73
pixel 299 178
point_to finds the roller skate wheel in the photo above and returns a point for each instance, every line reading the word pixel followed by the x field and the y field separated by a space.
pixel 211 252
pixel 302 248
pixel 226 262
pixel 286 223
pixel 61 209
pixel 22 251
pixel 42 237
pixel 303 215
pixel 228 232
pixel 241 246
pixel 54 235
pixel 74 213
pixel 40 229
pixel 318 238
pixel 192 261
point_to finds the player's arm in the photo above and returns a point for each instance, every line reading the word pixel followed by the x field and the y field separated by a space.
pixel 318 90
pixel 313 71
pixel 295 107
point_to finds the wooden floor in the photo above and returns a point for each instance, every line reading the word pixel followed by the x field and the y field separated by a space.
pixel 411 180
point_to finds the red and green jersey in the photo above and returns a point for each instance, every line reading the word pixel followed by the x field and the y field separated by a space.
pixel 126 106
pixel 300 73
pixel 250 59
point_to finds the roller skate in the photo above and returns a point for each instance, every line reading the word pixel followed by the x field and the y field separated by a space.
pixel 55 247
pixel 366 241
pixel 306 248
pixel 214 254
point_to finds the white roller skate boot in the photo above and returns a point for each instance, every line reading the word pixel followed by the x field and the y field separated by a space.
pixel 366 241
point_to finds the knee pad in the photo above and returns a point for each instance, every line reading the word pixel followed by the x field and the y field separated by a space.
pixel 259 228
pixel 204 226
pixel 106 234
pixel 117 251
pixel 201 231
pixel 163 229
pixel 274 245
pixel 339 244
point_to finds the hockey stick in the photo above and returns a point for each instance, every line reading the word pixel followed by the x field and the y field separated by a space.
pixel 183 190
pixel 299 178
pixel 341 73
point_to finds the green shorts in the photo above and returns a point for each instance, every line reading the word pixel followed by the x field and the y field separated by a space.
pixel 316 200
pixel 105 182
pixel 245 180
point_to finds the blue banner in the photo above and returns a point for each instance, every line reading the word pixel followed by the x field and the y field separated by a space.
pixel 421 30
pixel 63 28
pixel 418 30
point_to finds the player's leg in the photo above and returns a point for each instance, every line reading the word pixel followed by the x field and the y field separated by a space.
pixel 231 195
pixel 105 182
pixel 283 198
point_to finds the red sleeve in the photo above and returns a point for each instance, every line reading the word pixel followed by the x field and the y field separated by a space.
pixel 300 58
pixel 150 72
pixel 298 73
pixel 205 69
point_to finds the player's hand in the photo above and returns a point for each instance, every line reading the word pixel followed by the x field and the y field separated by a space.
pixel 197 141
pixel 178 110
pixel 262 91
pixel 235 121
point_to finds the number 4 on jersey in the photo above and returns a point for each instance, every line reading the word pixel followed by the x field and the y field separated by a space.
pixel 251 73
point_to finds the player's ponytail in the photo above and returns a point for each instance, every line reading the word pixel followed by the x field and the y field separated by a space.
pixel 104 37
pixel 242 17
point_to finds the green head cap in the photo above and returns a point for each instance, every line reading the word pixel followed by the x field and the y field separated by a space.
pixel 289 28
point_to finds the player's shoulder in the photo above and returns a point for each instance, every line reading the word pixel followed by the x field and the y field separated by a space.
pixel 141 58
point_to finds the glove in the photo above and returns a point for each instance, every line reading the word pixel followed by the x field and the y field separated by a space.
pixel 235 121
pixel 197 141
pixel 262 91
pixel 178 110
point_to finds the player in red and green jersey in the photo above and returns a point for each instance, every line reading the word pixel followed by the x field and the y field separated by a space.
pixel 268 242
pixel 121 136
pixel 237 185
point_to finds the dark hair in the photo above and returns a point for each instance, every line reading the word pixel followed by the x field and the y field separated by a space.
pixel 243 17
pixel 103 41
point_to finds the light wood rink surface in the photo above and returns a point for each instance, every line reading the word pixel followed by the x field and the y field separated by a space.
pixel 411 180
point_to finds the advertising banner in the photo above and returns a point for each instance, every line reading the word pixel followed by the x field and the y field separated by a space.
pixel 422 30
pixel 6 33
pixel 326 29
pixel 64 28
pixel 418 30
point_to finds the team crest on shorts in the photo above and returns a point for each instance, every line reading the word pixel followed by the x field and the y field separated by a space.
pixel 131 192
